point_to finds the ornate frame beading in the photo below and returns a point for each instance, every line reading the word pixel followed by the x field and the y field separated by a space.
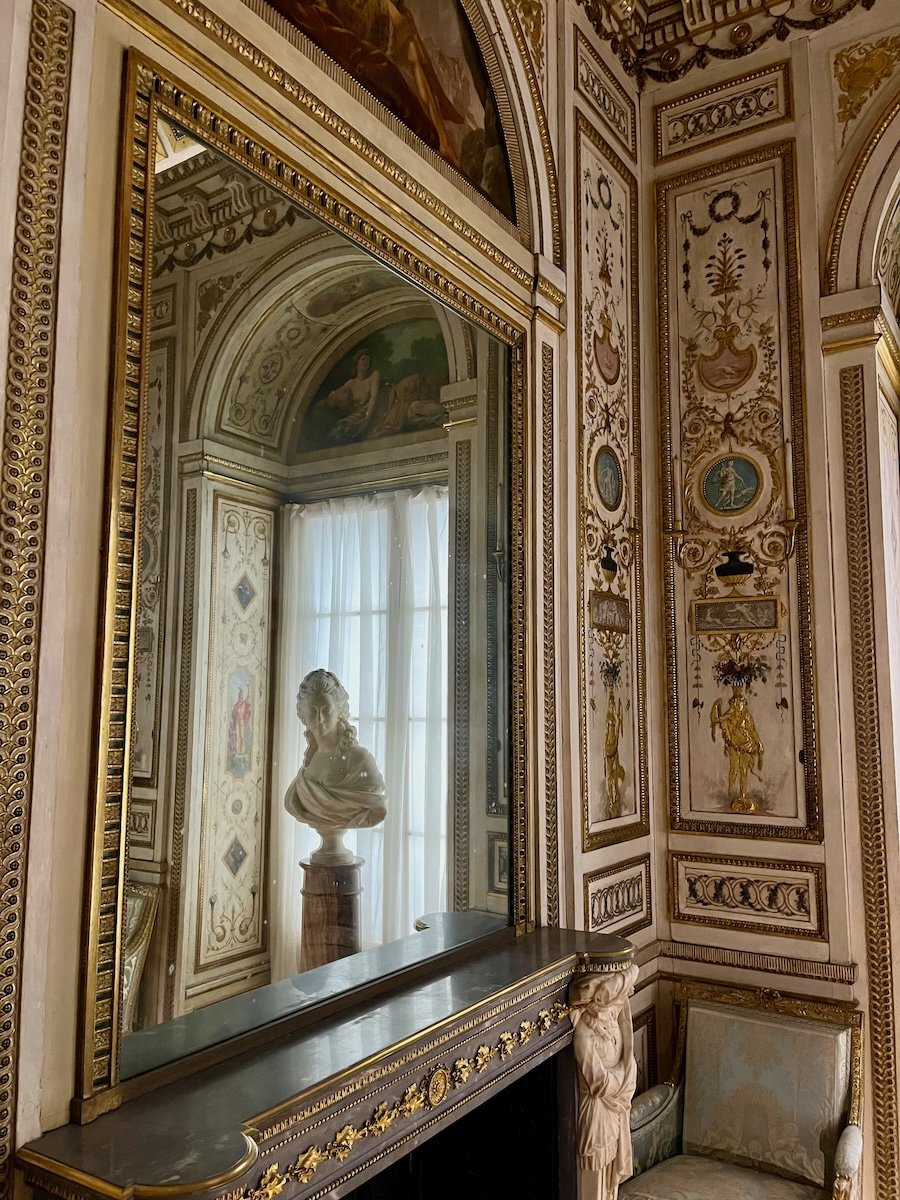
pixel 29 383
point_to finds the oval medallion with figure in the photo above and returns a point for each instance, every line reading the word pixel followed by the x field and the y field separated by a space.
pixel 730 484
pixel 608 475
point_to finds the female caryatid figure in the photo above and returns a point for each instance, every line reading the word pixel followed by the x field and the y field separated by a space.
pixel 339 785
pixel 604 1052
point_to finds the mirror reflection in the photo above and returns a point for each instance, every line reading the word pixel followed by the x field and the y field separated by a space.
pixel 318 767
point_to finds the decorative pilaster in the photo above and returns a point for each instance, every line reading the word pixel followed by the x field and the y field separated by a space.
pixel 23 491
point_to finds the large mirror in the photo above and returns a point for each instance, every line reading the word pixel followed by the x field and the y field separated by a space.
pixel 317 765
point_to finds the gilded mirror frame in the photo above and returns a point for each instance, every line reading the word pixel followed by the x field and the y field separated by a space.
pixel 150 92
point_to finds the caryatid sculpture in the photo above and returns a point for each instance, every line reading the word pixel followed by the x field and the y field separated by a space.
pixel 339 785
pixel 607 1074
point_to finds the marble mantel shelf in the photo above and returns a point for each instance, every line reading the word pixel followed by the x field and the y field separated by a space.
pixel 304 1116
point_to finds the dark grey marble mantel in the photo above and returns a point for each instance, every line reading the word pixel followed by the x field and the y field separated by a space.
pixel 303 1116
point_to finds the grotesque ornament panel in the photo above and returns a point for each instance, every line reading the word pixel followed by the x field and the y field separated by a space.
pixel 742 749
pixel 611 666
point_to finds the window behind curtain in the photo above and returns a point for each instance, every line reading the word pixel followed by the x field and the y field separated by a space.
pixel 364 594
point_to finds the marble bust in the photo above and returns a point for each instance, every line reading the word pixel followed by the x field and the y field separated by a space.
pixel 339 785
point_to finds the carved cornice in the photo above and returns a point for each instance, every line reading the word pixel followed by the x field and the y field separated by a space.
pixel 664 41
pixel 23 489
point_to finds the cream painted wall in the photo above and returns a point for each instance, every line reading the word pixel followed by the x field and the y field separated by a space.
pixel 62 785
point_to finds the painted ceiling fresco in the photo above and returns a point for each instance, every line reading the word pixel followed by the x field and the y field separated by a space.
pixel 421 60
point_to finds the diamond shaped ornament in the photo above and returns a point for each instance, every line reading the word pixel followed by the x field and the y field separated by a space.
pixel 234 856
pixel 245 592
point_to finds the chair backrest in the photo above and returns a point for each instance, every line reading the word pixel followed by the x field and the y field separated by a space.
pixel 764 1089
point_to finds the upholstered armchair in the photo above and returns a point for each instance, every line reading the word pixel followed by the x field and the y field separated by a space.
pixel 763 1103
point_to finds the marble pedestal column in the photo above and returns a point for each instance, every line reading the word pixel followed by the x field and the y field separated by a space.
pixel 331 921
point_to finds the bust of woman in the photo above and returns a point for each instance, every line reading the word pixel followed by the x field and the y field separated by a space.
pixel 339 786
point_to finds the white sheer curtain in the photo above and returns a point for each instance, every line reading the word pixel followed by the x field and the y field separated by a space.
pixel 364 594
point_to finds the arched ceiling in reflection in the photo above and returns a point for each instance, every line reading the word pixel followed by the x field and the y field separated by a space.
pixel 294 314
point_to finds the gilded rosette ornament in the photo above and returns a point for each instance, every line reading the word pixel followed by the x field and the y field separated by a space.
pixel 739 647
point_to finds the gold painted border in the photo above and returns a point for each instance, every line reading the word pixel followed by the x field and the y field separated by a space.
pixel 815 872
pixel 551 792
pixel 629 144
pixel 811 828
pixel 24 481
pixel 149 91
pixel 874 867
pixel 642 861
pixel 640 826
pixel 782 68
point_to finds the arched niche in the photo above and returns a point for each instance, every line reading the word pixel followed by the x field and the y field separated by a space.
pixel 297 315
pixel 866 201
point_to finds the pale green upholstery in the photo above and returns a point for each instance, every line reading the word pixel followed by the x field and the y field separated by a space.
pixel 768 1085
pixel 692 1177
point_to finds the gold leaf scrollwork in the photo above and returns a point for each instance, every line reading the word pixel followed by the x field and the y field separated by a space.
pixel 344 1142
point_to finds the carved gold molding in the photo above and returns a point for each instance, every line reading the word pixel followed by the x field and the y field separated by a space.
pixel 543 132
pixel 630 895
pixel 596 83
pixel 748 960
pixel 551 798
pixel 845 203
pixel 870 784
pixel 664 42
pixel 243 49
pixel 148 92
pixel 531 16
pixel 29 381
